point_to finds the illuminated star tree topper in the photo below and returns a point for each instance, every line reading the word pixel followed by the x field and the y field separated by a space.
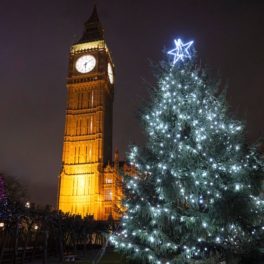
pixel 181 50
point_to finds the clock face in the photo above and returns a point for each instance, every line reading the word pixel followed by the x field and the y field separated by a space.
pixel 110 73
pixel 85 63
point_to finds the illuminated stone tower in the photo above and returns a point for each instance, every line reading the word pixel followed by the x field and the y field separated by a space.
pixel 88 126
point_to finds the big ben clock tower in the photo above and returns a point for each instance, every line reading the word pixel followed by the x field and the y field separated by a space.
pixel 88 126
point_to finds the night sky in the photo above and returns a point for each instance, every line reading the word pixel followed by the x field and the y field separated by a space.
pixel 35 38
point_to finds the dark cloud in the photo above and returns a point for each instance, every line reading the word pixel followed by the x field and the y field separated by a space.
pixel 34 44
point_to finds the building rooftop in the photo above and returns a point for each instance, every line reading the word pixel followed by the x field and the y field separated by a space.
pixel 93 30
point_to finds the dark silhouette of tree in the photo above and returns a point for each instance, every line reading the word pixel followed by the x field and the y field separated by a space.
pixel 24 223
pixel 11 213
pixel 14 190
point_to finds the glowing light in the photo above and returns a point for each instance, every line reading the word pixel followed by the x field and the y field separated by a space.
pixel 181 50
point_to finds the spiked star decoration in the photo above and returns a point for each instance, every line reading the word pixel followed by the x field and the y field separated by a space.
pixel 181 50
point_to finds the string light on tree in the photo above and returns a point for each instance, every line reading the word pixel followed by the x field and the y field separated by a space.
pixel 199 185
pixel 181 51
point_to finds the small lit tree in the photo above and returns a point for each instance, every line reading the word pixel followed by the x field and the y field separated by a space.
pixel 197 196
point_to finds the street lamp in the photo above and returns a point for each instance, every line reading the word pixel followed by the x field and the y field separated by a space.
pixel 27 205
pixel 2 224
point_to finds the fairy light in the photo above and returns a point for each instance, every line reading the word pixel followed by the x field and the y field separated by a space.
pixel 194 144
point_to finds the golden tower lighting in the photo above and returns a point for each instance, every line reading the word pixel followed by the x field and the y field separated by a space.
pixel 87 142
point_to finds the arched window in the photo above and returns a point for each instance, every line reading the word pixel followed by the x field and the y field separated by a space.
pixel 84 186
pixel 108 195
pixel 91 125
pixel 73 181
pixel 90 154
pixel 77 187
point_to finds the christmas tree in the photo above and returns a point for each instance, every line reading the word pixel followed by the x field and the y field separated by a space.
pixel 197 196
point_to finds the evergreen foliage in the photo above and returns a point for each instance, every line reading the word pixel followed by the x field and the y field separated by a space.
pixel 198 193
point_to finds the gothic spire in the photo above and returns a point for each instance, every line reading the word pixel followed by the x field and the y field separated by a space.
pixel 93 29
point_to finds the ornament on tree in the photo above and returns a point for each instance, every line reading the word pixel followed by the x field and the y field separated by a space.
pixel 181 50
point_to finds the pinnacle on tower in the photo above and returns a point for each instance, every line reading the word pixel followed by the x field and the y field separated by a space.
pixel 116 158
pixel 93 29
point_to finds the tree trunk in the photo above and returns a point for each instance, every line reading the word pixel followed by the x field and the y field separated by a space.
pixel 64 240
pixel 25 248
pixel 74 243
pixel 84 242
pixel 35 246
pixel 78 241
pixel 91 242
pixel 45 232
pixel 60 244
pixel 11 258
pixel 67 243
pixel 3 248
pixel 56 246
pixel 16 241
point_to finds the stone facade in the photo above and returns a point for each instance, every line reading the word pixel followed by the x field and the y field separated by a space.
pixel 87 186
